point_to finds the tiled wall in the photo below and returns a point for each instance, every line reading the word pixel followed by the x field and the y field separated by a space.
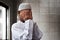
pixel 47 15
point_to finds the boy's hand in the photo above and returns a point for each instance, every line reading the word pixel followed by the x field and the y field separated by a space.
pixel 27 17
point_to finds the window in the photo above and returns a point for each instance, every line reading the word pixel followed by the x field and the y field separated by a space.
pixel 3 21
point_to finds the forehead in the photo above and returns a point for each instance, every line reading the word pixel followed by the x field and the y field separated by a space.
pixel 26 10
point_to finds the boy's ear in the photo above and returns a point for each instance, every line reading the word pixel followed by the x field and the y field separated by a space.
pixel 18 12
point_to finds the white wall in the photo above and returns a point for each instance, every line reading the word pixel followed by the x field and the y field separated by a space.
pixel 46 14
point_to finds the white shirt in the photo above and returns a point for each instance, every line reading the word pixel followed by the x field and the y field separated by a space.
pixel 26 31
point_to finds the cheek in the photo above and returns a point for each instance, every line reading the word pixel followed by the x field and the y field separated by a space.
pixel 22 15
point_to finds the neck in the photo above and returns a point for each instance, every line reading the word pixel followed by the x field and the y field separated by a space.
pixel 22 21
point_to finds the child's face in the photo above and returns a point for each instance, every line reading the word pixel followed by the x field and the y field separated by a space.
pixel 25 14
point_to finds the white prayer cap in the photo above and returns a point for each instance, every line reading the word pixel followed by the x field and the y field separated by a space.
pixel 23 6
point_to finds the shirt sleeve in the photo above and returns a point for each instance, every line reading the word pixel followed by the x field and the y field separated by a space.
pixel 16 33
pixel 29 29
pixel 12 32
pixel 37 34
